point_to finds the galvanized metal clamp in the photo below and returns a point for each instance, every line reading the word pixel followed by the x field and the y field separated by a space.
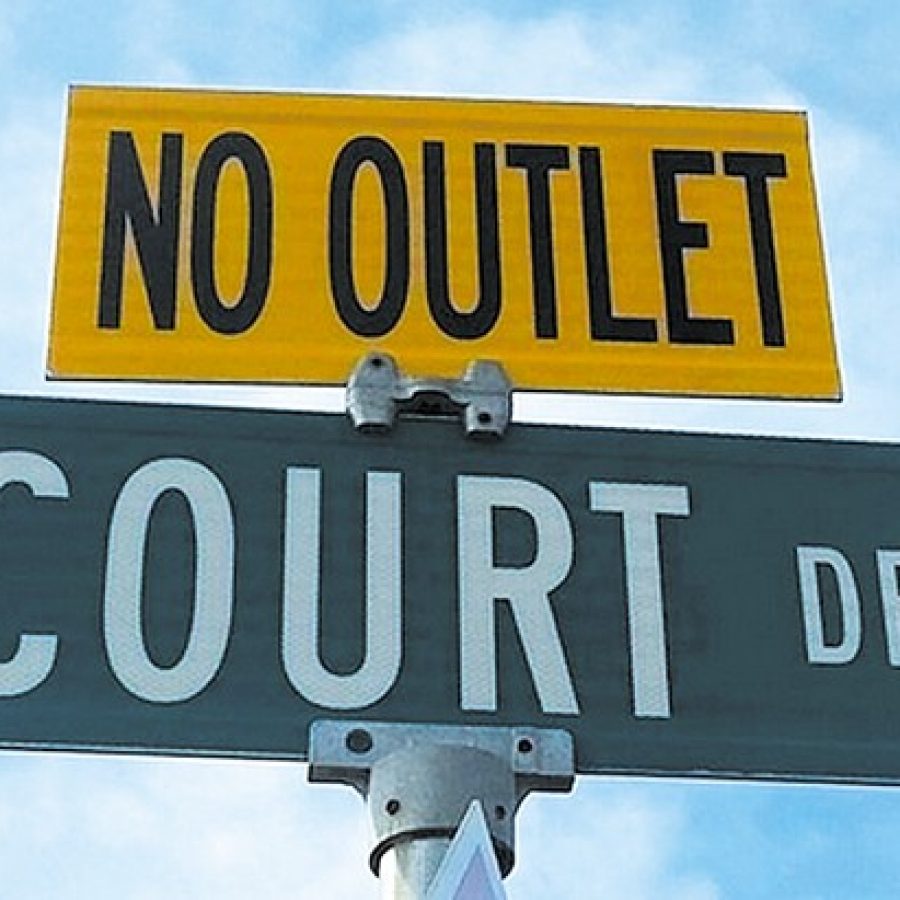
pixel 419 779
pixel 377 393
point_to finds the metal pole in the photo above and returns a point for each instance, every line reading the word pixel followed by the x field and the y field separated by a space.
pixel 419 779
pixel 408 870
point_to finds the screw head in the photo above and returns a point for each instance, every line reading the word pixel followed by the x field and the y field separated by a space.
pixel 359 741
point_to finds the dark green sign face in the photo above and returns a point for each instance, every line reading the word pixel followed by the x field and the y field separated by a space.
pixel 186 580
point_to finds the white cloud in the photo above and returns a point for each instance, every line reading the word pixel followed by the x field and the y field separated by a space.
pixel 861 202
pixel 478 54
pixel 29 178
pixel 562 55
pixel 256 44
pixel 11 15
pixel 176 830
pixel 608 841
pixel 150 33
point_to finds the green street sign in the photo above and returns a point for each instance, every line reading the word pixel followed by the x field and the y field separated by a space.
pixel 209 581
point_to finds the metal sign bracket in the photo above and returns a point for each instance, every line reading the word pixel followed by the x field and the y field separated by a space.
pixel 377 392
pixel 418 781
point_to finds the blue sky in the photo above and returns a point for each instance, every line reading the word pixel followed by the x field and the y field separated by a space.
pixel 125 828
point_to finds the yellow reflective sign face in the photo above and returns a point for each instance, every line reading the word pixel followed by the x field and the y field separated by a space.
pixel 279 238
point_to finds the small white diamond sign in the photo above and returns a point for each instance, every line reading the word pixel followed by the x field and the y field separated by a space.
pixel 469 871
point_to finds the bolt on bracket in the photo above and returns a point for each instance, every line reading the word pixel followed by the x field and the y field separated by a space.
pixel 377 393
pixel 418 780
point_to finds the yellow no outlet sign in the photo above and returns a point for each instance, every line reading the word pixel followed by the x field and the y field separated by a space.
pixel 280 237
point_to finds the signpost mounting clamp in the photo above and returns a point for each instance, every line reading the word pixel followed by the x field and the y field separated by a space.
pixel 418 781
pixel 377 393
